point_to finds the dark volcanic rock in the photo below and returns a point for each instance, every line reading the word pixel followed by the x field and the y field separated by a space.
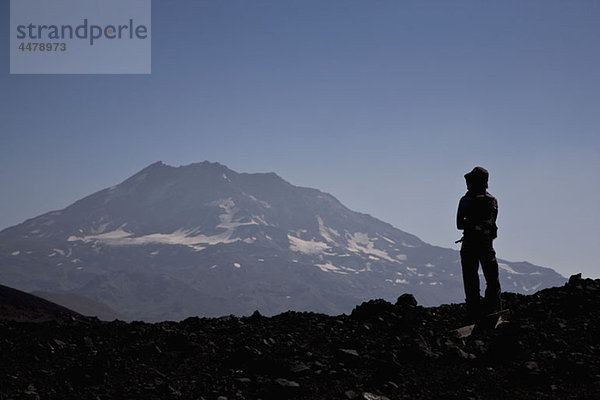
pixel 548 349
pixel 406 299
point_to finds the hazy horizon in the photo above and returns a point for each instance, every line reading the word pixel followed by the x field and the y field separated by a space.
pixel 384 106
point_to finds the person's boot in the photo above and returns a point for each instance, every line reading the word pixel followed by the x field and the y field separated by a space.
pixel 491 305
pixel 474 310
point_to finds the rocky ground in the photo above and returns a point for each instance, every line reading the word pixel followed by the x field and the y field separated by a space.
pixel 549 349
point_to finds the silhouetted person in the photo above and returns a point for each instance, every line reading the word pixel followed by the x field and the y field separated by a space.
pixel 477 212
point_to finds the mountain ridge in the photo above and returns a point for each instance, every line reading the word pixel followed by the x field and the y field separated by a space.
pixel 16 305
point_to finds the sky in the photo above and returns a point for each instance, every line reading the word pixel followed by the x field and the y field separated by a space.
pixel 385 105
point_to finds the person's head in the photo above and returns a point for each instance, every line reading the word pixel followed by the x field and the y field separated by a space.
pixel 477 179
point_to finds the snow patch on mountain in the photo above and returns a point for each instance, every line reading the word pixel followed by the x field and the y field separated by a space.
pixel 329 267
pixel 261 202
pixel 326 232
pixel 307 246
pixel 387 239
pixel 338 269
pixel 111 236
pixel 227 221
pixel 120 237
pixel 508 269
pixel 100 228
pixel 193 238
pixel 361 243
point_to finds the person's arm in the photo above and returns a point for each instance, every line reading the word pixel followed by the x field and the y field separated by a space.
pixel 494 216
pixel 460 215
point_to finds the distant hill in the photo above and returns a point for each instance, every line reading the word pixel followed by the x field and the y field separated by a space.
pixel 16 305
pixel 81 304
pixel 202 239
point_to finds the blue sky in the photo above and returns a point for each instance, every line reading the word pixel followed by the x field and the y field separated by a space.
pixel 383 104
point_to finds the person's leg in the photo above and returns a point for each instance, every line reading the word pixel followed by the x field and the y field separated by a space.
pixel 489 265
pixel 470 267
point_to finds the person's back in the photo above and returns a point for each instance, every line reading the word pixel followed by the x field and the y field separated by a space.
pixel 476 216
pixel 477 212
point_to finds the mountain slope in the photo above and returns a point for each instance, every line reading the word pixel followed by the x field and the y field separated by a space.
pixel 81 304
pixel 16 305
pixel 202 239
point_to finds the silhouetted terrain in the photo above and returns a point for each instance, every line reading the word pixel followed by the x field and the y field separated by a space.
pixel 20 306
pixel 549 349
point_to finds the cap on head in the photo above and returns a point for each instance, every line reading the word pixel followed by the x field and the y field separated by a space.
pixel 478 177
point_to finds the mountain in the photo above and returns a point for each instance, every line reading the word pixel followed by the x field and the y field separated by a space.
pixel 548 349
pixel 201 239
pixel 16 305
